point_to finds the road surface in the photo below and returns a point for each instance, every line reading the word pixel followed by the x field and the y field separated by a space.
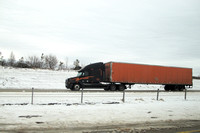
pixel 186 126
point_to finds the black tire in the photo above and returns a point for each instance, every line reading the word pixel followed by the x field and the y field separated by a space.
pixel 113 87
pixel 181 87
pixel 121 87
pixel 167 88
pixel 76 87
pixel 175 87
pixel 106 89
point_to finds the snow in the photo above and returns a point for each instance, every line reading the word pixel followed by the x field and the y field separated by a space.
pixel 11 78
pixel 64 110
pixel 68 112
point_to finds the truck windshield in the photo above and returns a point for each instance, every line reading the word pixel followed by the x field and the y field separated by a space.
pixel 82 74
pixel 79 74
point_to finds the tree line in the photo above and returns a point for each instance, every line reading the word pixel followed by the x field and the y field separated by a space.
pixel 43 62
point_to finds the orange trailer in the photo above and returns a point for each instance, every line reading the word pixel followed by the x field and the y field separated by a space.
pixel 147 74
pixel 126 73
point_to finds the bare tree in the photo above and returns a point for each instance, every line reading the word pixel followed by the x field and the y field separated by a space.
pixel 2 61
pixel 42 61
pixel 34 62
pixel 22 64
pixel 21 60
pixel 76 65
pixel 61 66
pixel 11 60
pixel 51 61
pixel 42 56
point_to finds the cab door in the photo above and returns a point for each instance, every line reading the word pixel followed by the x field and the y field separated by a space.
pixel 95 75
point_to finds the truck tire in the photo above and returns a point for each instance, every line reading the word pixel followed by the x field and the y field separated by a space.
pixel 181 87
pixel 76 87
pixel 113 87
pixel 167 88
pixel 176 88
pixel 121 87
pixel 106 89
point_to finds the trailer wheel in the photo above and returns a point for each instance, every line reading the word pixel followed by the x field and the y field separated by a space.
pixel 106 89
pixel 121 87
pixel 181 87
pixel 113 87
pixel 176 88
pixel 167 88
pixel 76 87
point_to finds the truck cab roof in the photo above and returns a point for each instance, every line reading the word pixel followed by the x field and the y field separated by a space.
pixel 92 66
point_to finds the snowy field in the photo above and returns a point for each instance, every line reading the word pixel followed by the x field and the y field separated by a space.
pixel 11 78
pixel 64 110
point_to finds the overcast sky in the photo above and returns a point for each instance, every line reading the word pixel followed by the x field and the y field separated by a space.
pixel 160 32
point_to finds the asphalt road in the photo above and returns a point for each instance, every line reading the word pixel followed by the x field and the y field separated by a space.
pixel 186 126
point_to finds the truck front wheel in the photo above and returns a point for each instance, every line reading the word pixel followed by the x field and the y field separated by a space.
pixel 76 87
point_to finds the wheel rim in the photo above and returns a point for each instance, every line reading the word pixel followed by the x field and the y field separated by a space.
pixel 121 87
pixel 113 87
pixel 77 87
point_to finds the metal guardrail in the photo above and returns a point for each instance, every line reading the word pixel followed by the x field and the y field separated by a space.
pixel 85 90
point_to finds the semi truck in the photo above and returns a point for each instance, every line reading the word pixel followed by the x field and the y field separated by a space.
pixel 113 76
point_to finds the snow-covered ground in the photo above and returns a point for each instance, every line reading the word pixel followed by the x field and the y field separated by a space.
pixel 64 110
pixel 11 78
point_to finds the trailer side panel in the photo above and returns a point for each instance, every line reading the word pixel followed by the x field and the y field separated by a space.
pixel 148 74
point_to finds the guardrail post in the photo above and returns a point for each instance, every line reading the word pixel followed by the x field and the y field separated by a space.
pixel 185 93
pixel 123 96
pixel 157 94
pixel 32 96
pixel 82 95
